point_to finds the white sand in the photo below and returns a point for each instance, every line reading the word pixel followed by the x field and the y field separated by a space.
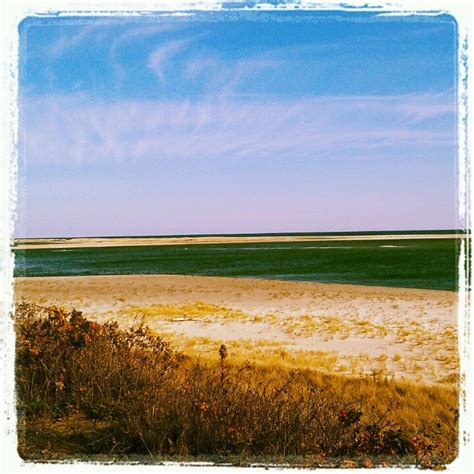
pixel 80 242
pixel 410 333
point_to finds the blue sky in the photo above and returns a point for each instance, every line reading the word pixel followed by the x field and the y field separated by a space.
pixel 236 122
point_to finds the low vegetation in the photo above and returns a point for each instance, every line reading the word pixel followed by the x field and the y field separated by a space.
pixel 85 388
pixel 430 349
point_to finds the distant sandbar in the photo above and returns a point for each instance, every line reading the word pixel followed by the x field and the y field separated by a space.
pixel 85 242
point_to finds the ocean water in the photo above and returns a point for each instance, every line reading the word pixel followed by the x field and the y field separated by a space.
pixel 424 263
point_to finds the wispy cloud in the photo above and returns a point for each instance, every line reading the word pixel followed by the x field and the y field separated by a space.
pixel 127 38
pixel 65 130
pixel 67 41
pixel 161 55
pixel 138 32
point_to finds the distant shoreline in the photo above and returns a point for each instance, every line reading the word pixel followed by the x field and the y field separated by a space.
pixel 95 242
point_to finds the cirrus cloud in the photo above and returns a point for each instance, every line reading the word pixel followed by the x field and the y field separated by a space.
pixel 74 130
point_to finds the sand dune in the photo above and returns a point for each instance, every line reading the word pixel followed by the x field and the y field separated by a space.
pixel 83 242
pixel 348 329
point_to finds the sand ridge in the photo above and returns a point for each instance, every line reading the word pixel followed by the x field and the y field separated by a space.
pixel 92 242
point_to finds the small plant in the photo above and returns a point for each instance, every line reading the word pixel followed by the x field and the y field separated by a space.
pixel 222 356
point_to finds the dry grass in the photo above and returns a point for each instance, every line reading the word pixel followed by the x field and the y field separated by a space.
pixel 431 342
pixel 262 353
pixel 198 310
pixel 149 399
pixel 331 326
pixel 306 325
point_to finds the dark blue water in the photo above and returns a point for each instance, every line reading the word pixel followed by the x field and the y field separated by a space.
pixel 424 263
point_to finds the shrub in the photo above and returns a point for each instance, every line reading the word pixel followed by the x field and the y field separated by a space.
pixel 157 401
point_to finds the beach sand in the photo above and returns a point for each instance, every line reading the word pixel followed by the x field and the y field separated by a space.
pixel 346 329
pixel 92 242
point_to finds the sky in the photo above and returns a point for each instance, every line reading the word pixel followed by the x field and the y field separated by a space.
pixel 236 122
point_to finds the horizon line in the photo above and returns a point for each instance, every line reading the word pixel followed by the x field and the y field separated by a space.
pixel 234 234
